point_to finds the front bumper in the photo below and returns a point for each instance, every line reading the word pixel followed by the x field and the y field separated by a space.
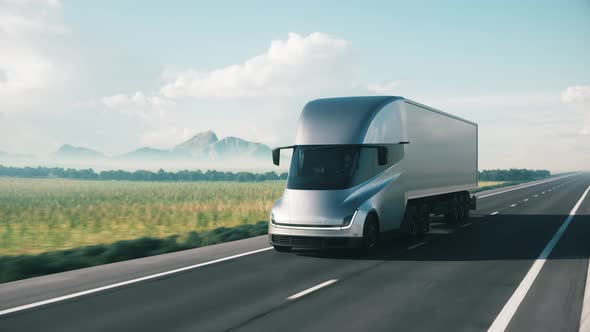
pixel 314 242
pixel 310 237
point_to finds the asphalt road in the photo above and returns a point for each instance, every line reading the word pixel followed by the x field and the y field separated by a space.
pixel 455 279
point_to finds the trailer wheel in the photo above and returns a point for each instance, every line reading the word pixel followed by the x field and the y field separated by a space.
pixel 371 233
pixel 461 211
pixel 452 216
pixel 466 208
pixel 412 225
pixel 423 220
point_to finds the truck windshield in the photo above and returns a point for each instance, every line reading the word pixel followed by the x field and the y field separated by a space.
pixel 331 167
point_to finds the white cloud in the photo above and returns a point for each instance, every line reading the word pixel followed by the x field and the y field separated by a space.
pixel 579 94
pixel 299 65
pixel 51 3
pixel 25 64
pixel 498 101
pixel 136 102
pixel 578 98
pixel 388 88
pixel 153 111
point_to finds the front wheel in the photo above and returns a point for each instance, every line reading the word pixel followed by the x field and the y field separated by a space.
pixel 371 234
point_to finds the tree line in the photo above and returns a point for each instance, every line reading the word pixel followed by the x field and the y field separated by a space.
pixel 140 175
pixel 513 174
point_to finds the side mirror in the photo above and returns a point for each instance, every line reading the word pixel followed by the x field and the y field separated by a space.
pixel 276 156
pixel 382 155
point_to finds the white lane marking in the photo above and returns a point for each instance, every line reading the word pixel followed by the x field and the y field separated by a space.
pixel 494 213
pixel 312 289
pixel 543 193
pixel 549 190
pixel 419 244
pixel 465 225
pixel 585 317
pixel 513 205
pixel 526 199
pixel 125 283
pixel 503 319
pixel 525 186
pixel 536 195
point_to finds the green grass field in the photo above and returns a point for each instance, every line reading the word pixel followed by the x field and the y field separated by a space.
pixel 41 215
pixel 483 184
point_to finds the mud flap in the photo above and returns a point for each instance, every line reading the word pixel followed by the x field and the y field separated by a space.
pixel 473 203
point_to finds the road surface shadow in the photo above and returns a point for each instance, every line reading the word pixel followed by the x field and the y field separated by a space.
pixel 481 238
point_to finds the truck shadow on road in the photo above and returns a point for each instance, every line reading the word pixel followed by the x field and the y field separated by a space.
pixel 483 238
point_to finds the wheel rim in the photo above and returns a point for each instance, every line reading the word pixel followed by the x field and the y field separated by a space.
pixel 371 236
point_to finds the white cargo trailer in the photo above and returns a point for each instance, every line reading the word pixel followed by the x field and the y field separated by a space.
pixel 362 166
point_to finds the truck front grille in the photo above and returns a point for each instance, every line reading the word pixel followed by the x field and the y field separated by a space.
pixel 308 242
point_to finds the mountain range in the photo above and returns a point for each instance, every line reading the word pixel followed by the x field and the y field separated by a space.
pixel 202 148
pixel 205 146
pixel 67 151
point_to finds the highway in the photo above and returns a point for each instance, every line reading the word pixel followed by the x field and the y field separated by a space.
pixel 520 263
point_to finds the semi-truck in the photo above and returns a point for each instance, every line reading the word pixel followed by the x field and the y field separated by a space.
pixel 366 166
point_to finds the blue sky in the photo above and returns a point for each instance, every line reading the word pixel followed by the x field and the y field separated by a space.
pixel 116 75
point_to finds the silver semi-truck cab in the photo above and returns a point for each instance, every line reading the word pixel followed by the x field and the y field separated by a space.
pixel 350 177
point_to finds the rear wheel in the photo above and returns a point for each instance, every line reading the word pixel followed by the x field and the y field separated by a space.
pixel 452 216
pixel 282 249
pixel 423 220
pixel 461 212
pixel 467 208
pixel 416 221
pixel 371 234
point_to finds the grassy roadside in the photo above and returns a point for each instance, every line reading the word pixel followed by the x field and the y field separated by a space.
pixel 487 185
pixel 43 215
pixel 26 266
pixel 52 226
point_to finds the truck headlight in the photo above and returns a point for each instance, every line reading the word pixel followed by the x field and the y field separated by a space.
pixel 348 220
pixel 272 218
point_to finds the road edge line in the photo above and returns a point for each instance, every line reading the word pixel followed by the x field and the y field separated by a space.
pixel 125 283
pixel 505 316
pixel 526 186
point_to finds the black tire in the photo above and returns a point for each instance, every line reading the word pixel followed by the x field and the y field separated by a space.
pixel 461 212
pixel 411 225
pixel 282 249
pixel 423 220
pixel 452 216
pixel 371 234
pixel 467 209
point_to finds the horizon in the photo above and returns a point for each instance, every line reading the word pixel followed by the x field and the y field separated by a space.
pixel 157 75
pixel 174 145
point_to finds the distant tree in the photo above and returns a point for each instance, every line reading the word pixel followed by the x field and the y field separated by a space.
pixel 144 175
